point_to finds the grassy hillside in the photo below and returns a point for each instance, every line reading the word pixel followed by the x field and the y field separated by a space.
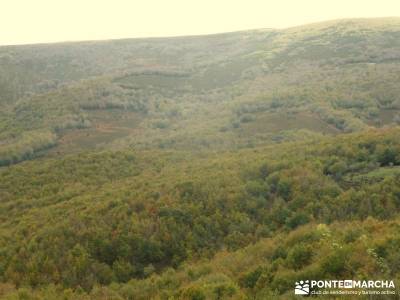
pixel 221 92
pixel 208 167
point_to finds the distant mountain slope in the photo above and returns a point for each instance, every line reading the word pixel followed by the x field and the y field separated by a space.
pixel 218 91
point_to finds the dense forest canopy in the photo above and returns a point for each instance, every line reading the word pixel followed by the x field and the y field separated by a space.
pixel 226 166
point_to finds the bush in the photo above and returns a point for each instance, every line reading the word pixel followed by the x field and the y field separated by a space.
pixel 335 263
pixel 224 290
pixel 257 188
pixel 250 279
pixel 193 293
pixel 247 119
pixel 299 256
pixel 297 219
pixel 388 156
pixel 161 124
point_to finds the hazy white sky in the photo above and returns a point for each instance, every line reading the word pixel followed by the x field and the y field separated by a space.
pixel 35 21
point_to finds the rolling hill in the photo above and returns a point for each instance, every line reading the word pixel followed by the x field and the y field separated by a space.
pixel 225 166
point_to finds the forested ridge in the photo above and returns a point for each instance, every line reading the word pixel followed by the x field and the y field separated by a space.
pixel 212 167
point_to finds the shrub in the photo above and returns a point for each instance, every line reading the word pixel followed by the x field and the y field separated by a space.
pixel 299 256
